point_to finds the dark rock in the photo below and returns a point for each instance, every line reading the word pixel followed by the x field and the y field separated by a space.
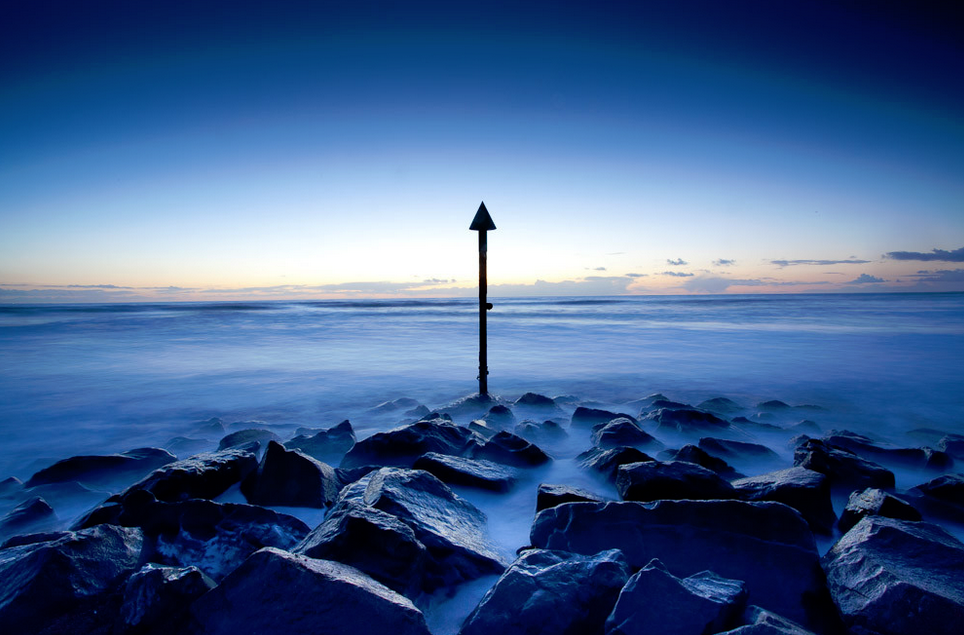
pixel 545 432
pixel 472 405
pixel 588 417
pixel 499 417
pixel 66 585
pixel 347 476
pixel 401 446
pixel 243 437
pixel 104 470
pixel 926 458
pixel 552 495
pixel 402 403
pixel 205 475
pixel 773 405
pixel 842 467
pixel 948 488
pixel 875 502
pixel 720 406
pixel 805 426
pixel 686 421
pixel 373 541
pixel 185 446
pixel 623 432
pixel 483 429
pixel 213 426
pixel 28 515
pixel 677 480
pixel 759 621
pixel 533 400
pixel 896 576
pixel 157 598
pixel 693 454
pixel 551 592
pixel 325 445
pixel 654 600
pixel 806 491
pixel 953 444
pixel 606 462
pixel 10 487
pixel 29 539
pixel 510 449
pixel 767 545
pixel 478 473
pixel 738 449
pixel 290 478
pixel 279 592
pixel 667 403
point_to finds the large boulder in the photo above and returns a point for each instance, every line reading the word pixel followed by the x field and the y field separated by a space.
pixel 656 601
pixel 509 449
pixel 686 421
pixel 156 599
pixel 290 478
pixel 584 417
pixel 757 621
pixel 606 462
pixel 842 467
pixel 206 475
pixel 875 502
pixel 694 454
pixel 278 592
pixel 897 577
pixel 739 451
pixel 67 584
pixel 767 545
pixel 477 473
pixel 657 480
pixel 326 445
pixel 401 446
pixel 549 495
pixel 247 436
pixel 551 592
pixel 948 488
pixel 917 458
pixel 103 470
pixel 545 432
pixel 623 432
pixel 806 491
pixel 34 514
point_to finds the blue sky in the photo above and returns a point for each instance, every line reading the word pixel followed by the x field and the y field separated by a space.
pixel 194 151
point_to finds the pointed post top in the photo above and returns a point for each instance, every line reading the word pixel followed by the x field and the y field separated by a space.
pixel 482 221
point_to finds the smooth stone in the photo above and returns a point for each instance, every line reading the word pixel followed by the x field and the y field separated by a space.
pixel 549 495
pixel 290 478
pixel 478 473
pixel 10 487
pixel 806 491
pixel 607 462
pixel 763 622
pixel 623 432
pixel 675 480
pixel 842 467
pixel 875 502
pixel 920 458
pixel 474 405
pixel 156 599
pixel 720 406
pixel 325 445
pixel 103 470
pixel 499 417
pixel 948 488
pixel 584 417
pixel 535 400
pixel 694 454
pixel 953 444
pixel 686 421
pixel 400 447
pixel 30 514
pixel 243 437
pixel 402 403
pixel 510 449
pixel 738 449
pixel 546 432
pixel 206 475
pixel 214 426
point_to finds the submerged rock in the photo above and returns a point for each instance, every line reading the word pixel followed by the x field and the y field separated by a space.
pixel 468 472
pixel 206 475
pixel 401 446
pixel 693 454
pixel 623 432
pixel 509 449
pixel 738 450
pixel 103 470
pixel 875 502
pixel 948 488
pixel 156 599
pixel 588 417
pixel 806 491
pixel 548 431
pixel 686 421
pixel 759 621
pixel 607 462
pixel 534 400
pixel 920 458
pixel 288 477
pixel 552 495
pixel 499 417
pixel 29 515
pixel 325 445
pixel 842 467
pixel 720 406
pixel 677 480
pixel 244 437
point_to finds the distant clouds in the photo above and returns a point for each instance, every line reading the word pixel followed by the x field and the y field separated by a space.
pixel 677 274
pixel 955 255
pixel 865 278
pixel 944 275
pixel 793 263
pixel 679 262
pixel 637 275
pixel 723 262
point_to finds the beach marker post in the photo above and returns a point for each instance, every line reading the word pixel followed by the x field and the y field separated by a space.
pixel 483 223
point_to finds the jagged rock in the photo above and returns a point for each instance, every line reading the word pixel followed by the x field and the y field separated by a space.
pixel 720 406
pixel 767 545
pixel 607 462
pixel 304 595
pixel 588 417
pixel 288 477
pixel 483 429
pixel 677 480
pixel 898 577
pixel 546 432
pixel 510 449
pixel 654 600
pixel 244 437
pixel 686 421
pixel 693 454
pixel 103 470
pixel 948 488
pixel 623 432
pixel 552 495
pixel 875 502
pixel 374 542
pixel 499 417
pixel 66 585
pixel 325 445
pixel 205 475
pixel 28 515
pixel 759 621
pixel 926 458
pixel 551 592
pixel 401 446
pixel 478 473
pixel 842 467
pixel 738 450
pixel 806 491
pixel 157 598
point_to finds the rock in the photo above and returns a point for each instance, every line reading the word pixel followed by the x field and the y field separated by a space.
pixel 186 446
pixel 774 405
pixel 205 475
pixel 763 622
pixel 29 515
pixel 402 403
pixel 156 599
pixel 953 444
pixel 720 406
pixel 686 421
pixel 551 592
pixel 510 449
pixel 767 545
pixel 400 447
pixel 66 585
pixel 552 495
pixel 948 488
pixel 104 470
pixel 606 462
pixel 304 595
pixel 546 432
pixel 806 491
pixel 588 417
pixel 738 450
pixel 677 480
pixel 243 437
pixel 213 426
pixel 499 417
pixel 290 478
pixel 327 445
pixel 472 405
pixel 654 600
pixel 623 432
pixel 478 473
pixel 10 487
pixel 895 576
pixel 418 411
pixel 842 467
pixel 805 426
pixel 693 454
pixel 920 458
pixel 875 502
pixel 483 429
pixel 533 400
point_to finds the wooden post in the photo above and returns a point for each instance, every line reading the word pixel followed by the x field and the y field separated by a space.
pixel 482 223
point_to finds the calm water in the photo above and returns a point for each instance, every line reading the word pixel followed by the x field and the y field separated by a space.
pixel 95 378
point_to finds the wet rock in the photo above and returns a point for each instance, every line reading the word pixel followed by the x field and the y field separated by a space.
pixel 806 491
pixel 304 595
pixel 29 515
pixel 953 444
pixel 805 426
pixel 546 432
pixel 654 600
pixel 10 487
pixel 243 437
pixel 895 576
pixel 948 488
pixel 767 545
pixel 686 421
pixel 720 406
pixel 693 454
pixel 326 445
pixel 473 405
pixel 477 473
pixel 213 426
pixel 920 458
pixel 67 585
pixel 510 449
pixel 534 400
pixel 156 599
pixel 607 462
pixel 402 403
pixel 551 495
pixel 875 502
pixel 676 480
pixel 418 411
pixel 290 478
pixel 483 429
pixel 774 405
pixel 186 446
pixel 401 446
pixel 623 432
pixel 759 621
pixel 727 448
pixel 588 417
pixel 842 467
pixel 206 475
pixel 103 470
pixel 499 417
pixel 551 592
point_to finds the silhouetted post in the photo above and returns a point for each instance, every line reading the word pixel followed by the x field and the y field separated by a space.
pixel 482 223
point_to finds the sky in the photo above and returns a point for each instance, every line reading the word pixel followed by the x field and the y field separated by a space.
pixel 196 151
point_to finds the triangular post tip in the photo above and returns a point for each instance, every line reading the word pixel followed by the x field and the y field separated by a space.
pixel 482 221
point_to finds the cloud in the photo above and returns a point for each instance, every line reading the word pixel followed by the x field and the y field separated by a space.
pixel 437 281
pixel 955 255
pixel 715 284
pixel 793 263
pixel 598 269
pixel 943 275
pixel 679 262
pixel 866 279
pixel 677 274
pixel 723 262
pixel 637 275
